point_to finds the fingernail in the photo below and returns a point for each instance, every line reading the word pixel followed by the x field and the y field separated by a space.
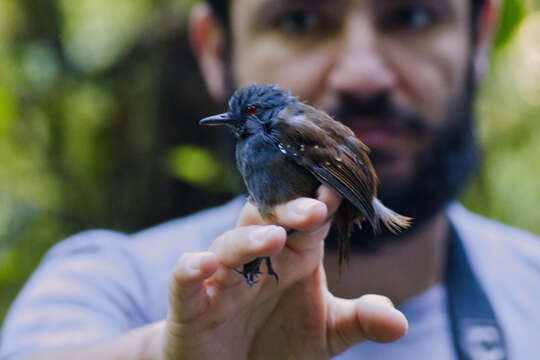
pixel 388 301
pixel 195 262
pixel 260 235
pixel 380 299
pixel 304 206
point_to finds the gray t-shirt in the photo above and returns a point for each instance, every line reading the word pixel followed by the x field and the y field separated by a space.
pixel 99 284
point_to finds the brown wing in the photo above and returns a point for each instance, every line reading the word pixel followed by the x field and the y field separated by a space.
pixel 331 152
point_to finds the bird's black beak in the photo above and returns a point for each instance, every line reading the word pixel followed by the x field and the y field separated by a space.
pixel 216 120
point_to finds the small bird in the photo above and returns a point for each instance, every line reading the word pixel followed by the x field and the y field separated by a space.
pixel 286 149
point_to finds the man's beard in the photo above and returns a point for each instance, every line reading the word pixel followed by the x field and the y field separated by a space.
pixel 442 172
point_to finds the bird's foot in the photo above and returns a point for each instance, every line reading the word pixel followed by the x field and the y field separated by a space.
pixel 271 269
pixel 251 270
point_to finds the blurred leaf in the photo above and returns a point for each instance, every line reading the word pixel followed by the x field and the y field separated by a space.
pixel 511 13
pixel 40 65
pixel 527 75
pixel 11 19
pixel 194 165
pixel 97 32
pixel 183 5
pixel 7 110
pixel 86 107
pixel 15 216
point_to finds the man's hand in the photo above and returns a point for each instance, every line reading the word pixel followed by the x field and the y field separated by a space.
pixel 214 314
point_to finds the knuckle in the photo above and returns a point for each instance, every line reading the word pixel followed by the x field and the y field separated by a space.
pixel 225 237
pixel 224 242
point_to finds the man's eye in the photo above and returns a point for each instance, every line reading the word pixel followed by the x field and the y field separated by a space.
pixel 411 18
pixel 299 22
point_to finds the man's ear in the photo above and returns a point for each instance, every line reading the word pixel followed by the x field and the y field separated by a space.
pixel 486 27
pixel 208 44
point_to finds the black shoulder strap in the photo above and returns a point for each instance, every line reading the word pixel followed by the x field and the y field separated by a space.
pixel 476 333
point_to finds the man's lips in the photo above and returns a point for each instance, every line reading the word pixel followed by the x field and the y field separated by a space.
pixel 377 132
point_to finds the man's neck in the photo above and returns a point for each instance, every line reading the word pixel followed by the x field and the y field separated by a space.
pixel 399 271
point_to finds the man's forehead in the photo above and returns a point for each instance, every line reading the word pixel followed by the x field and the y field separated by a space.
pixel 265 5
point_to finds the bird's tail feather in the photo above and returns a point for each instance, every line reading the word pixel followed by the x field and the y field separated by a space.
pixel 392 220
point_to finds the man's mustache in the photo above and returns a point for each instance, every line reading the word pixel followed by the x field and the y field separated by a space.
pixel 380 107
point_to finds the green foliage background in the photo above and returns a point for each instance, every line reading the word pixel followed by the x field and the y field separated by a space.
pixel 99 103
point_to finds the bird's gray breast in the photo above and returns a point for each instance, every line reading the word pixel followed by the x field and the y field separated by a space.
pixel 270 178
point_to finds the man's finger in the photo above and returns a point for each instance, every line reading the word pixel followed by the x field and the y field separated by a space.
pixel 242 245
pixel 249 216
pixel 330 198
pixel 300 214
pixel 370 317
pixel 187 298
pixel 304 214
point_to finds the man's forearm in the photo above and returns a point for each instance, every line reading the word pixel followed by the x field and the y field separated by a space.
pixel 143 343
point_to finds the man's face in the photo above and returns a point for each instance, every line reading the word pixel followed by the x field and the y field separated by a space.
pixel 397 72
pixel 357 58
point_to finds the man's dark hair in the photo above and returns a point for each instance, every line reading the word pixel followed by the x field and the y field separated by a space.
pixel 221 10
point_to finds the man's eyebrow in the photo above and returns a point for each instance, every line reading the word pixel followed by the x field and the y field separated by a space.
pixel 270 3
pixel 268 8
pixel 448 5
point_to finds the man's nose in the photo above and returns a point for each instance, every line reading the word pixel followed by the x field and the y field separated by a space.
pixel 360 67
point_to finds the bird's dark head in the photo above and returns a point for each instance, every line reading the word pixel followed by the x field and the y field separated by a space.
pixel 251 107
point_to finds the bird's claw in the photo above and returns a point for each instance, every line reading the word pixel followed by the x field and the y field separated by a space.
pixel 270 269
pixel 251 270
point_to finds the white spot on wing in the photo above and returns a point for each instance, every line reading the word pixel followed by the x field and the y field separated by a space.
pixel 298 118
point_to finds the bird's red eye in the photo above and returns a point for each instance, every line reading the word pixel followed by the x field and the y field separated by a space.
pixel 250 110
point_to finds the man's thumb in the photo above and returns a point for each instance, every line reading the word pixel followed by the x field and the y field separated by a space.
pixel 370 317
